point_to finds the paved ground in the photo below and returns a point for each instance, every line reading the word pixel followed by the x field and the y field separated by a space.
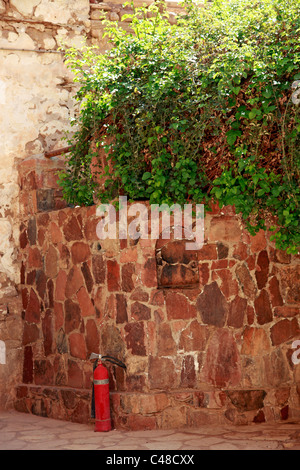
pixel 20 431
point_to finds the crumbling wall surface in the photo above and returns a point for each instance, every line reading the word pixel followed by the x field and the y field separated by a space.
pixel 36 105
pixel 207 336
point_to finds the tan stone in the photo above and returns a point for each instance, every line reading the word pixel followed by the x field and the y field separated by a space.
pixel 255 342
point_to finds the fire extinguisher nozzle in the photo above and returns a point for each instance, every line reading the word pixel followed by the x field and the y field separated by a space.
pixel 94 356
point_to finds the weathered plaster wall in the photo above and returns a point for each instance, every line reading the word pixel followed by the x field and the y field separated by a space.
pixel 35 108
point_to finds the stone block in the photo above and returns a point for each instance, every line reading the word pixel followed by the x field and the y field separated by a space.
pixel 263 308
pixel 247 400
pixel 80 252
pixel 178 306
pixel 194 337
pixel 77 346
pixel 255 342
pixel 166 345
pixel 113 275
pixel 140 311
pixel 284 330
pixel 135 338
pixel 122 316
pixel 161 373
pixel 222 366
pixel 212 305
pixel 225 228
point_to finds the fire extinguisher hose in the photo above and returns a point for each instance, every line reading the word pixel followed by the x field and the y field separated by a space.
pixel 114 361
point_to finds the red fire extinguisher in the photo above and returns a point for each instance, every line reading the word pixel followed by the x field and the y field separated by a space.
pixel 100 398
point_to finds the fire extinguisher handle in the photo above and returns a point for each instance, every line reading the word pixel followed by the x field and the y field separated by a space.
pixel 114 361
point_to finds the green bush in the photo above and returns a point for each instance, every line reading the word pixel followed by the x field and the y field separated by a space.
pixel 200 110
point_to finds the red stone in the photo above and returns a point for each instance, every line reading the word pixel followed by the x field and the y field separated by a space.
pixel 72 316
pixel 90 229
pixel 28 365
pixel 56 234
pixel 47 328
pixel 85 302
pixel 139 294
pixel 222 250
pixel 121 309
pixel 166 345
pixel 80 252
pixel 77 346
pixel 41 282
pixel 194 337
pixel 219 264
pixel 148 274
pixel 113 275
pixel 87 276
pixel 51 262
pixel 284 330
pixel 72 230
pixel 263 308
pixel 135 338
pixel 262 272
pixel 99 269
pixel 58 315
pixel 246 281
pixel 212 305
pixel 23 240
pixel 176 252
pixel 33 313
pixel 31 333
pixel 162 373
pixel 177 275
pixel 258 242
pixel 208 252
pixel 140 311
pixel 274 291
pixel 34 258
pixel 260 417
pixel 91 337
pixel 157 298
pixel 74 282
pixel 75 376
pixel 290 283
pixel 241 251
pixel 127 272
pixel 236 313
pixel 178 306
pixel 229 286
pixel 203 274
pixel 188 373
pixel 43 372
pixel 25 297
pixel 287 311
pixel 222 365
pixel 141 423
pixel 247 400
pixel 284 412
pixel 60 285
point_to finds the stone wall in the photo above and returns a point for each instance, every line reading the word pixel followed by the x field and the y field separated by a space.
pixel 215 351
pixel 215 347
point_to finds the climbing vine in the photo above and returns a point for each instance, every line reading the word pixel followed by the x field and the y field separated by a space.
pixel 204 109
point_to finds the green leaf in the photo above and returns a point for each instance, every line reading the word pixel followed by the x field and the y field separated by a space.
pixel 146 176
